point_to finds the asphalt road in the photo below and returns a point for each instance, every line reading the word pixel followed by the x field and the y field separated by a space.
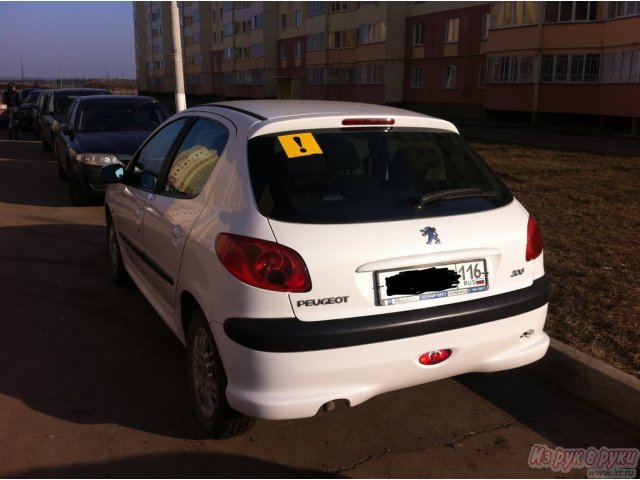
pixel 92 383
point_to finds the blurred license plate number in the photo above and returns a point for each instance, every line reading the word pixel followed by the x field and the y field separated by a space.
pixel 473 279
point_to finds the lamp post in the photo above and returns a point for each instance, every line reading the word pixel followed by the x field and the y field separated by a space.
pixel 181 102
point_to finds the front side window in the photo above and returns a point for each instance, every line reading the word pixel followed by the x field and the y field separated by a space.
pixel 374 175
pixel 148 164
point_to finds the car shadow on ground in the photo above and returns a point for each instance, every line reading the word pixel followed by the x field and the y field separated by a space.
pixel 97 351
pixel 176 465
pixel 33 175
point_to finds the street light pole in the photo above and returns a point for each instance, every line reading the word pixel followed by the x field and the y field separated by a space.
pixel 181 102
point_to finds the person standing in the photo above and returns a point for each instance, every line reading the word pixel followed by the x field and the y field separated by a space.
pixel 12 99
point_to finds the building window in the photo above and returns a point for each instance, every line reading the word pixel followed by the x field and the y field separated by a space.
pixel 257 50
pixel 298 50
pixel 417 35
pixel 581 68
pixel 417 77
pixel 315 8
pixel 344 39
pixel 510 69
pixel 615 67
pixel 242 28
pixel 555 12
pixel 512 14
pixel 623 9
pixel 486 24
pixel 257 22
pixel 227 29
pixel 372 33
pixel 451 30
pixel 297 14
pixel 340 75
pixel 316 41
pixel 339 7
pixel 449 77
pixel 369 74
pixel 283 21
pixel 482 77
pixel 316 76
pixel 283 51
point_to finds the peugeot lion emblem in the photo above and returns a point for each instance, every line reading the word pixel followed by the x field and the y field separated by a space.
pixel 431 234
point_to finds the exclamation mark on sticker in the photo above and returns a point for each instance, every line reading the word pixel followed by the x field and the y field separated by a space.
pixel 299 142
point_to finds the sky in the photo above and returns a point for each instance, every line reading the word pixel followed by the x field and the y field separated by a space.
pixel 67 40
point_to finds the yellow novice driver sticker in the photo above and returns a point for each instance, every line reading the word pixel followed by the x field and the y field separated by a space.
pixel 299 145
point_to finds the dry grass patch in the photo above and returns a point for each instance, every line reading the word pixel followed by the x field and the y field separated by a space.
pixel 588 206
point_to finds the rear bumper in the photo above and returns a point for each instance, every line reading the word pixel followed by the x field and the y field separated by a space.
pixel 276 373
pixel 292 335
pixel 280 386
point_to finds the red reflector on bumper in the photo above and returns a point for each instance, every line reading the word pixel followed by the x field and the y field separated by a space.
pixel 434 357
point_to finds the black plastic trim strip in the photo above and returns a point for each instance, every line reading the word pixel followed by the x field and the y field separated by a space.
pixel 153 265
pixel 293 335
pixel 240 110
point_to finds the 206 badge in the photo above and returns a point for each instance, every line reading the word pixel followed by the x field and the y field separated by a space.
pixel 431 234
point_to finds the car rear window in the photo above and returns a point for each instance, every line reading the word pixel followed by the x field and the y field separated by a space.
pixel 351 176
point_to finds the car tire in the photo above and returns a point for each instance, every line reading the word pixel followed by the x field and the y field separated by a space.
pixel 208 383
pixel 116 266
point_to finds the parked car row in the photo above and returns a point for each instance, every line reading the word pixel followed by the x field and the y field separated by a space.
pixel 88 128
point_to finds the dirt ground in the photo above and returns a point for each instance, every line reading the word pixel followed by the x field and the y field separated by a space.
pixel 588 206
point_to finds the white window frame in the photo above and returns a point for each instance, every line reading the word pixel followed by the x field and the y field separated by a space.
pixel 451 30
pixel 417 34
pixel 449 77
pixel 417 77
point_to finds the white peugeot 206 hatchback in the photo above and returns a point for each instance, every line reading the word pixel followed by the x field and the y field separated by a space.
pixel 308 251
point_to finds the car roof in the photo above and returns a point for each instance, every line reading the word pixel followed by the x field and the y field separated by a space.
pixel 77 90
pixel 278 109
pixel 116 99
pixel 263 117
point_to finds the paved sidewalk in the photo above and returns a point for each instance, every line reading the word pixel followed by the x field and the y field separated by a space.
pixel 622 145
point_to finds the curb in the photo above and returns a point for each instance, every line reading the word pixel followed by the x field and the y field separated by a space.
pixel 608 389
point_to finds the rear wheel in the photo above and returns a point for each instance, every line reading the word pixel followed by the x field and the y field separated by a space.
pixel 208 383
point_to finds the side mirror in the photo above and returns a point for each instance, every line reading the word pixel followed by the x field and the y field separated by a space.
pixel 113 173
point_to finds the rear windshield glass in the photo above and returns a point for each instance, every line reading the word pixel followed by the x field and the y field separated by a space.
pixel 121 116
pixel 347 176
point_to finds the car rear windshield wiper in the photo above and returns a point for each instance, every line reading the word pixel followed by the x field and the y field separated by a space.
pixel 453 193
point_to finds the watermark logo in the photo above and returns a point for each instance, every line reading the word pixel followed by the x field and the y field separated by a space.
pixel 601 462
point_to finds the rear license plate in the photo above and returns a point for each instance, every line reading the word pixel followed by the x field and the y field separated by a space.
pixel 431 282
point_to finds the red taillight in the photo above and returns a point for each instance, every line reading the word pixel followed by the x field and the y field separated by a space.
pixel 434 357
pixel 354 122
pixel 534 239
pixel 263 264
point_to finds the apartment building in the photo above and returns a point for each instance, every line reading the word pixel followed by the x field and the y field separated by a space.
pixel 528 60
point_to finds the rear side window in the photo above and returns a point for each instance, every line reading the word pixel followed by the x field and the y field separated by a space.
pixel 338 176
pixel 196 158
